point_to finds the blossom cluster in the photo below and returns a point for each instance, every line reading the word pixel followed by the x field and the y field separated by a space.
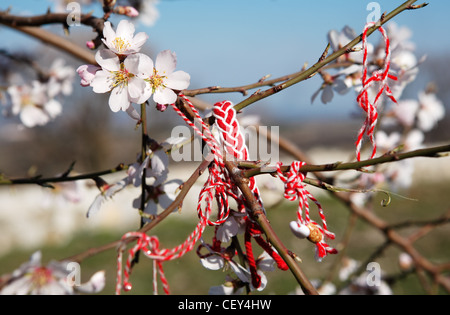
pixel 130 76
pixel 404 63
pixel 403 124
pixel 36 102
pixel 55 278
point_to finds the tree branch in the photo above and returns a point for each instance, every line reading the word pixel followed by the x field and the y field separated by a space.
pixel 433 152
pixel 304 75
pixel 257 213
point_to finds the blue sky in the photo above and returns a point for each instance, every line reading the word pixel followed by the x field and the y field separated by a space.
pixel 236 42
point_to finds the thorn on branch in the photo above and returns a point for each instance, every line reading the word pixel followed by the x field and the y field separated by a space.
pixel 257 93
pixel 46 185
pixel 70 169
pixel 264 78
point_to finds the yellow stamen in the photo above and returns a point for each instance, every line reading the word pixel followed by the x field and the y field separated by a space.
pixel 156 80
pixel 120 44
pixel 121 77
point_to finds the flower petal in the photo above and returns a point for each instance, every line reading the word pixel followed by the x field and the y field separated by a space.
pixel 87 74
pixel 132 112
pixel 125 30
pixel 213 262
pixel 165 96
pixel 108 33
pixel 178 80
pixel 151 208
pixel 118 100
pixel 107 60
pixel 136 89
pixel 53 108
pixel 100 83
pixel 166 62
pixel 96 205
pixel 327 94
pixel 138 41
pixel 94 285
pixel 32 116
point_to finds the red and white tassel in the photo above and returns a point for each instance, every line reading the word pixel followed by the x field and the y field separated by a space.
pixel 305 227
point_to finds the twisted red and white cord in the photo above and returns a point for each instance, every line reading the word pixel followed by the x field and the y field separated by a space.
pixel 218 187
pixel 219 184
pixel 381 77
pixel 295 190
pixel 149 245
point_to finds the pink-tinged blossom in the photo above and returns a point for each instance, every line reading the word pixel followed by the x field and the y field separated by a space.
pixel 123 41
pixel 163 80
pixel 87 74
pixel 126 10
pixel 55 278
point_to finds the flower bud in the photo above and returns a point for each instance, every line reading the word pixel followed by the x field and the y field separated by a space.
pixel 161 107
pixel 87 74
pixel 90 44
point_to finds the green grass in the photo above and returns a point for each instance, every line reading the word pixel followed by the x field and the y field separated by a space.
pixel 187 277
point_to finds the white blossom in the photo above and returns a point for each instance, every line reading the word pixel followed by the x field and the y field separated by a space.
pixel 162 195
pixel 32 104
pixel 162 79
pixel 340 39
pixel 120 79
pixel 148 12
pixel 431 111
pixel 60 79
pixel 123 41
